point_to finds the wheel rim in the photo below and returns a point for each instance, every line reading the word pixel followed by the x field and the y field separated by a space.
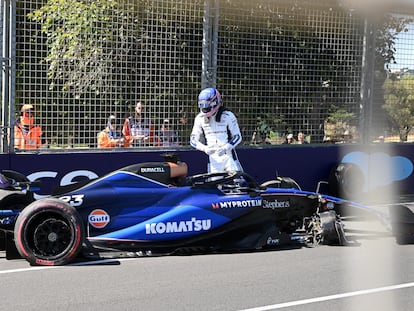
pixel 52 237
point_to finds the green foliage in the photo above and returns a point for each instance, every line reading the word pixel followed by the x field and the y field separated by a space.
pixel 341 123
pixel 81 36
pixel 399 103
pixel 91 43
pixel 267 124
pixel 342 116
pixel 386 35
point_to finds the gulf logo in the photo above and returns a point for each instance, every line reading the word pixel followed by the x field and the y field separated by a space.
pixel 98 218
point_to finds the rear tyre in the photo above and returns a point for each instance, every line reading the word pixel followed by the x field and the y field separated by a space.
pixel 2 240
pixel 49 232
pixel 402 223
pixel 346 180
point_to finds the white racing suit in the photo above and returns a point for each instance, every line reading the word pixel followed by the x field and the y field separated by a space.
pixel 221 137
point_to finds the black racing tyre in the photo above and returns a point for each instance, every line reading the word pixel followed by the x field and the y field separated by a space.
pixel 404 233
pixel 346 180
pixel 49 232
pixel 402 223
pixel 2 240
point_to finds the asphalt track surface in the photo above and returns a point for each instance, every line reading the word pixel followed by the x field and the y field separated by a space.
pixel 376 275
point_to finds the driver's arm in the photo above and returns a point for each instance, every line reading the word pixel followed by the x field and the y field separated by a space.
pixel 234 129
pixel 235 135
pixel 195 136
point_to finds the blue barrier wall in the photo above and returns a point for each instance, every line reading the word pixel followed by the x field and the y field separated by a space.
pixel 391 163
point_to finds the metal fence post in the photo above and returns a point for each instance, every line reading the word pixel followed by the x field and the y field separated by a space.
pixel 367 81
pixel 8 86
pixel 12 79
pixel 4 73
pixel 210 43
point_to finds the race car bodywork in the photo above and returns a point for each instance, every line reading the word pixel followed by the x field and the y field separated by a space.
pixel 154 208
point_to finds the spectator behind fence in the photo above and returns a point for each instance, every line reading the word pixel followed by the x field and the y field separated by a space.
pixel 301 139
pixel 167 135
pixel 27 135
pixel 289 139
pixel 218 127
pixel 109 137
pixel 136 129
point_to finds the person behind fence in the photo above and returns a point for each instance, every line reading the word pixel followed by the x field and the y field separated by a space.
pixel 109 137
pixel 136 129
pixel 168 137
pixel 27 135
pixel 289 139
pixel 216 132
pixel 301 139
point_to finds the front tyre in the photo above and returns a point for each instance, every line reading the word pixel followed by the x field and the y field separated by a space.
pixel 49 232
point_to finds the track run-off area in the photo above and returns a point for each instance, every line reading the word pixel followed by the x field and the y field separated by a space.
pixel 375 274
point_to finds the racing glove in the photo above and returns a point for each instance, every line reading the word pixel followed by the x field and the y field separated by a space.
pixel 224 149
pixel 208 150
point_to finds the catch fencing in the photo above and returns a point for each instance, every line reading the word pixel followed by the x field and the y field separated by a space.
pixel 282 67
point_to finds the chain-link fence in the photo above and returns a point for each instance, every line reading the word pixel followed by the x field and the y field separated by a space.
pixel 282 66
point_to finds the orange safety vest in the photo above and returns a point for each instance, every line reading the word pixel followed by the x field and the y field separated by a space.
pixel 29 140
pixel 105 140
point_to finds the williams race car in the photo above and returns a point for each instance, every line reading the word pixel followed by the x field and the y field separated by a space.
pixel 154 208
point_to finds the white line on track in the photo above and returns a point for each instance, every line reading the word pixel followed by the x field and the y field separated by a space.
pixel 85 263
pixel 331 297
pixel 262 308
pixel 25 269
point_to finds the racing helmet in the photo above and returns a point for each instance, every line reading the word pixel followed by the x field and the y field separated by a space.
pixel 209 101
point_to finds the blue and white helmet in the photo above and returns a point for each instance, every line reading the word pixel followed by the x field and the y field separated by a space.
pixel 209 101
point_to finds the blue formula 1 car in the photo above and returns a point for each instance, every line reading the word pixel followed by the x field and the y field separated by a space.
pixel 154 208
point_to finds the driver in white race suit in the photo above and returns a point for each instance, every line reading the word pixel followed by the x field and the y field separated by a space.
pixel 216 132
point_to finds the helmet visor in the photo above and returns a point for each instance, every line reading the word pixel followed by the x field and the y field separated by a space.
pixel 206 106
